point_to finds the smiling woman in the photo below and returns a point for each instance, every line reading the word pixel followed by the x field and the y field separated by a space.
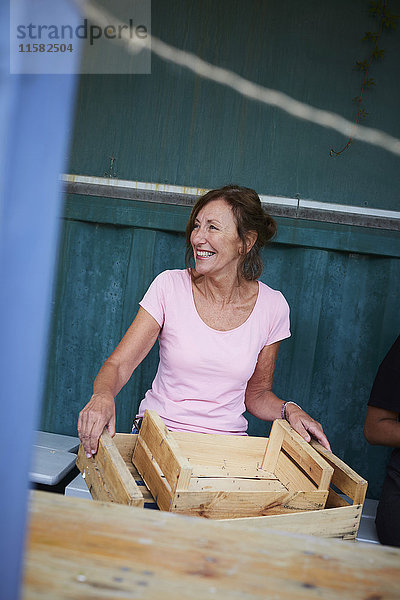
pixel 251 224
pixel 219 331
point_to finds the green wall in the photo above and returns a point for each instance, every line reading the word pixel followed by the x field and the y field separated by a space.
pixel 342 282
pixel 174 127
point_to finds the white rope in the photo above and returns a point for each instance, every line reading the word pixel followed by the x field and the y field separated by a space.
pixel 245 87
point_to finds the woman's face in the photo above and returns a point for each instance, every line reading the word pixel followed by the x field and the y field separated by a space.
pixel 215 241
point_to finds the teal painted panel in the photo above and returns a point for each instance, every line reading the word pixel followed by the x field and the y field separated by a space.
pixel 344 317
pixel 298 232
pixel 177 128
pixel 126 212
pixel 333 236
pixel 138 276
pixel 87 319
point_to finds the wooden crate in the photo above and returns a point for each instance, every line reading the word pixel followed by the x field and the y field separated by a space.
pixel 340 518
pixel 222 477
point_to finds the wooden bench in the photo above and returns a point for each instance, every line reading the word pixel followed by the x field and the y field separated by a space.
pixel 79 549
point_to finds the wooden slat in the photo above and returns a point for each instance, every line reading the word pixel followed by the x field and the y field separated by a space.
pixel 165 451
pixel 235 452
pixel 284 436
pixel 114 471
pixel 107 470
pixel 125 444
pixel 95 482
pixel 318 471
pixel 302 453
pixel 228 469
pixel 232 504
pixel 157 484
pixel 229 504
pixel 333 523
pixel 300 501
pixel 93 478
pixel 334 500
pixel 253 446
pixel 213 455
pixel 273 447
pixel 291 476
pixel 225 484
pixel 344 478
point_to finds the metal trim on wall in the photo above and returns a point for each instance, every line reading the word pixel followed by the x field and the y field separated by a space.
pixel 276 206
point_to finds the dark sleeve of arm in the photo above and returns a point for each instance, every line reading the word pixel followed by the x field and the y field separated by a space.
pixel 385 391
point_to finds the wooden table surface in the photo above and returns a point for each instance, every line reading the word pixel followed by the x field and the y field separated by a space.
pixel 90 550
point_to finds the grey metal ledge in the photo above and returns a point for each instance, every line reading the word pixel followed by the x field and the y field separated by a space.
pixel 279 207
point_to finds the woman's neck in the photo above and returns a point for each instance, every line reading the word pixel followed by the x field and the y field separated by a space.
pixel 221 290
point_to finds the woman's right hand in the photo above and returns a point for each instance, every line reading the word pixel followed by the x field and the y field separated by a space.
pixel 98 413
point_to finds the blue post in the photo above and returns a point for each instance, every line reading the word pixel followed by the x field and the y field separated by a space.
pixel 35 116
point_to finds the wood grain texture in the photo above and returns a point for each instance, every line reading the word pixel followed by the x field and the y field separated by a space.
pixel 291 476
pixel 304 455
pixel 86 550
pixel 97 487
pixel 344 477
pixel 273 448
pixel 237 456
pixel 152 476
pixel 107 476
pixel 234 503
pixel 225 484
pixel 334 499
pixel 165 451
pixel 125 444
pixel 340 522
pixel 159 459
pixel 306 463
pixel 224 497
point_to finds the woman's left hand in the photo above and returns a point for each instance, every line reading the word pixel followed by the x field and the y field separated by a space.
pixel 306 426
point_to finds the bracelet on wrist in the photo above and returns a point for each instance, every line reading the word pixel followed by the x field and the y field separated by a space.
pixel 283 409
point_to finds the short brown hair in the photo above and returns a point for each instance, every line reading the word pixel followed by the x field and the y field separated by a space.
pixel 249 215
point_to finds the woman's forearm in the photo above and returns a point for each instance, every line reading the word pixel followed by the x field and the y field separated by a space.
pixel 267 406
pixel 382 427
pixel 109 379
pixel 388 434
pixel 264 405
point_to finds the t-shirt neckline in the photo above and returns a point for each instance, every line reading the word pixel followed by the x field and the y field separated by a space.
pixel 211 328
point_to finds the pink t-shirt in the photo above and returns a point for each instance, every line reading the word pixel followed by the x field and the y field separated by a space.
pixel 203 373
